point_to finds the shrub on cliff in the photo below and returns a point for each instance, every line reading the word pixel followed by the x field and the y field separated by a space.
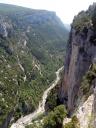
pixel 87 79
pixel 73 124
pixel 55 117
pixel 81 21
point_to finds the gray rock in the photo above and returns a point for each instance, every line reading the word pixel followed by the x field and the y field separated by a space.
pixel 3 30
pixel 81 52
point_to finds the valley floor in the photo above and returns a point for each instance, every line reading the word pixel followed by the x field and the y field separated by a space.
pixel 26 120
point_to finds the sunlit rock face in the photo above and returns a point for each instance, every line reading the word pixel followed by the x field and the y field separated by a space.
pixel 94 108
pixel 80 54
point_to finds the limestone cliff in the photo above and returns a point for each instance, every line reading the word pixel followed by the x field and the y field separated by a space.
pixel 80 55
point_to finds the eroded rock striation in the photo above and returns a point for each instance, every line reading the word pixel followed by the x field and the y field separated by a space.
pixel 80 58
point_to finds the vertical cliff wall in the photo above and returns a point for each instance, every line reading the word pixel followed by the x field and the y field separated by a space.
pixel 94 108
pixel 80 55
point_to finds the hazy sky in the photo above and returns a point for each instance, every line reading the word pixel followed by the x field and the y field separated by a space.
pixel 65 9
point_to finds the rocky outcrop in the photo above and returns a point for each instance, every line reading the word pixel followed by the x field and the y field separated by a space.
pixel 94 108
pixel 80 56
pixel 5 27
pixel 81 53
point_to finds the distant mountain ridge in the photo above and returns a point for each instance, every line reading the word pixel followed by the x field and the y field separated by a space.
pixel 67 26
pixel 32 47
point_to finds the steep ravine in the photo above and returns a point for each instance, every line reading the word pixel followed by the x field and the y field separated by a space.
pixel 32 46
pixel 23 121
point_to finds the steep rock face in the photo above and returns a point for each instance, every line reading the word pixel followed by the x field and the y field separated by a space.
pixel 93 121
pixel 81 53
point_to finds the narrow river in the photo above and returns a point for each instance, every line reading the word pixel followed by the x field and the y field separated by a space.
pixel 23 121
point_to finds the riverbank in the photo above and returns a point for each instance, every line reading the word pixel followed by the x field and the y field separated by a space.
pixel 23 121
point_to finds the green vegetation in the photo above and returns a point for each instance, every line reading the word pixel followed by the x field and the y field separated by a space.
pixel 55 117
pixel 91 121
pixel 85 19
pixel 53 97
pixel 88 79
pixel 81 21
pixel 94 19
pixel 35 125
pixel 73 124
pixel 51 102
pixel 32 47
pixel 37 122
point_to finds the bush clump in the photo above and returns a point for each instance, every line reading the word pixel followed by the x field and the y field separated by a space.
pixel 81 21
pixel 73 124
pixel 87 79
pixel 55 117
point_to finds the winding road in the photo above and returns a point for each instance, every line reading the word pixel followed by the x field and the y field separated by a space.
pixel 23 121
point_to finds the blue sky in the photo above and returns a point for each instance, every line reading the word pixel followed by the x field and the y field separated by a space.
pixel 65 9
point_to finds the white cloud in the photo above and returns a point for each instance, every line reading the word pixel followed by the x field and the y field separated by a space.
pixel 65 9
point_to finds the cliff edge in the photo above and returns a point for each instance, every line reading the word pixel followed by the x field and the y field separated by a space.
pixel 80 62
